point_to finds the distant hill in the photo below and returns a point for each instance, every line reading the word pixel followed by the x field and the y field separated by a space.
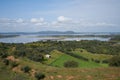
pixel 42 32
pixel 57 32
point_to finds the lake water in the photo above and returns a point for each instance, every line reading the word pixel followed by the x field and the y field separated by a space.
pixel 34 38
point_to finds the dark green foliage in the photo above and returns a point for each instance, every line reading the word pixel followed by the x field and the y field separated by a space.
pixel 14 64
pixel 20 53
pixel 36 57
pixel 105 61
pixel 71 64
pixel 115 61
pixel 26 69
pixel 6 62
pixel 77 56
pixel 39 76
pixel 97 61
pixel 3 55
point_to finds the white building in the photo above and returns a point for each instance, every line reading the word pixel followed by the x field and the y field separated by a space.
pixel 47 56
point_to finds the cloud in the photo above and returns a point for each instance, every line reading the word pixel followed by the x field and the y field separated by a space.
pixel 6 20
pixel 62 23
pixel 35 20
pixel 20 20
pixel 69 22
pixel 63 19
pixel 38 22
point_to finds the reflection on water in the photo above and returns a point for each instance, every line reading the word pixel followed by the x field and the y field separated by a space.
pixel 34 38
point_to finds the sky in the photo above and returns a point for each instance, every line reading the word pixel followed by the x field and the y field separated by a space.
pixel 60 15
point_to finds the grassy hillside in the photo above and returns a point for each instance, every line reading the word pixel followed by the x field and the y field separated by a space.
pixel 90 56
pixel 7 74
pixel 84 64
pixel 53 73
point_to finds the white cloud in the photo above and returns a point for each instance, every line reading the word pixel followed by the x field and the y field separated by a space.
pixel 19 20
pixel 35 20
pixel 63 19
pixel 61 23
pixel 38 22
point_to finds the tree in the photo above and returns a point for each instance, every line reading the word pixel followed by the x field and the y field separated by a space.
pixel 115 61
pixel 6 62
pixel 3 55
pixel 26 69
pixel 39 76
pixel 71 64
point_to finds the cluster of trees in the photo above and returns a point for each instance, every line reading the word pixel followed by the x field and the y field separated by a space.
pixel 115 61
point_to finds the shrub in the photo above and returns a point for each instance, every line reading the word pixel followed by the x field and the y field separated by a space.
pixel 3 55
pixel 14 64
pixel 36 57
pixel 6 62
pixel 115 61
pixel 26 69
pixel 71 64
pixel 39 76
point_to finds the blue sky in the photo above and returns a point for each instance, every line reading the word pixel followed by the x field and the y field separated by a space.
pixel 60 15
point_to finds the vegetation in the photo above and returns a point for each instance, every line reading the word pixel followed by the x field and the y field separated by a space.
pixel 115 61
pixel 6 62
pixel 26 69
pixel 14 64
pixel 59 62
pixel 71 64
pixel 115 38
pixel 98 60
pixel 39 76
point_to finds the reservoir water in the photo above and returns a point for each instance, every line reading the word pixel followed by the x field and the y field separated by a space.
pixel 34 38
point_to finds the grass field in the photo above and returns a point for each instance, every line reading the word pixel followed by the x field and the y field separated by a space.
pixel 83 64
pixel 55 54
pixel 58 59
pixel 83 74
pixel 91 56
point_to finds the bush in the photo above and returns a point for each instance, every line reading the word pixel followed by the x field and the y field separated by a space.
pixel 6 62
pixel 3 55
pixel 36 57
pixel 26 69
pixel 14 64
pixel 39 76
pixel 71 64
pixel 115 61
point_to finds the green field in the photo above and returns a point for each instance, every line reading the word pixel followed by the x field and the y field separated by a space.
pixel 91 56
pixel 83 64
pixel 58 59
